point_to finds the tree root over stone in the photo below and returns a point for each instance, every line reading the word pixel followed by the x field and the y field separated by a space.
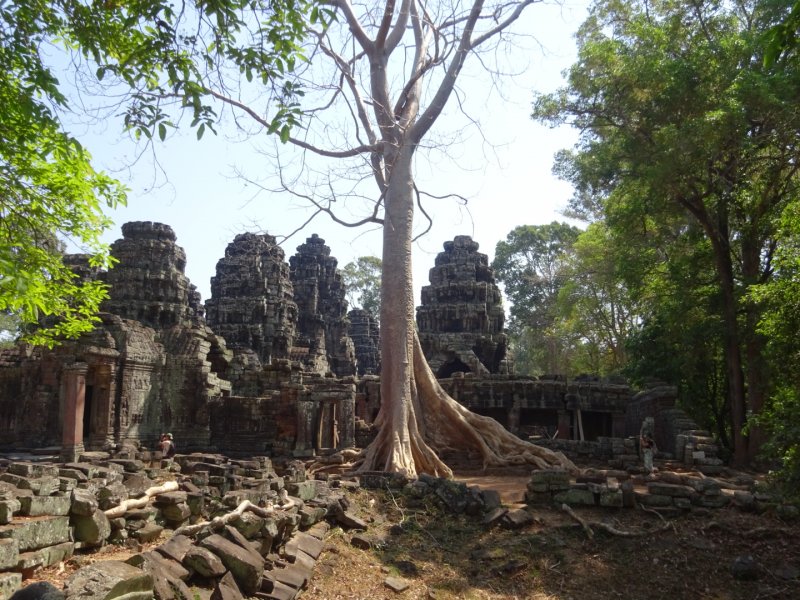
pixel 412 436
pixel 217 522
pixel 119 511
pixel 588 525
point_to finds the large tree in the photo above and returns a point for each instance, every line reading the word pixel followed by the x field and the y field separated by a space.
pixel 379 77
pixel 679 117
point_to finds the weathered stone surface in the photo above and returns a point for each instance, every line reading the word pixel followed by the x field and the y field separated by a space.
pixel 461 316
pixel 36 506
pixel 517 519
pixel 245 565
pixel 364 332
pixel 176 513
pixel 83 502
pixel 41 590
pixel 668 489
pixel 251 302
pixel 109 580
pixel 40 486
pixel 322 310
pixel 7 510
pixel 304 542
pixel 45 557
pixel 9 553
pixel 37 532
pixel 9 583
pixel 204 562
pixel 226 589
pixel 305 490
pixel 349 520
pixel 148 533
pixel 93 530
pixel 574 497
pixel 396 584
pixel 26 469
pixel 176 547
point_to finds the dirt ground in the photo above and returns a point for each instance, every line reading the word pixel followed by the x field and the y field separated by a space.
pixel 440 556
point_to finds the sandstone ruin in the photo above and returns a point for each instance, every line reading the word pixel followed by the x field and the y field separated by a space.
pixel 274 364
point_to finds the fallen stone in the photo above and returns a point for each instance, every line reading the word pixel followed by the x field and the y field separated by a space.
pixel 176 547
pixel 83 502
pixel 396 584
pixel 226 589
pixel 349 521
pixel 203 562
pixel 305 490
pixel 246 565
pixel 279 591
pixel 176 513
pixel 36 506
pixel 109 580
pixel 9 583
pixel 148 533
pixel 359 540
pixel 307 543
pixel 493 517
pixel 45 557
pixel 9 554
pixel 41 590
pixel 92 531
pixel 516 519
pixel 291 575
pixel 37 532
pixel 319 530
pixel 7 510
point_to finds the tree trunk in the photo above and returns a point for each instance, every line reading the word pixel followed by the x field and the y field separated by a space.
pixel 417 418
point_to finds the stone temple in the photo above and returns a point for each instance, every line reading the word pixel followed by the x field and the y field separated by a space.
pixel 274 363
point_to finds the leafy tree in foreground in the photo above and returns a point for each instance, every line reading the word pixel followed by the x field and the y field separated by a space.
pixel 679 117
pixel 49 190
pixel 363 281
pixel 531 265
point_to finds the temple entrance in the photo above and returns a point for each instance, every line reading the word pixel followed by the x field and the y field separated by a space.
pixel 327 430
pixel 537 423
pixel 453 365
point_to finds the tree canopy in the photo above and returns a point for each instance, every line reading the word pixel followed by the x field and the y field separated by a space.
pixel 157 57
pixel 363 281
pixel 684 128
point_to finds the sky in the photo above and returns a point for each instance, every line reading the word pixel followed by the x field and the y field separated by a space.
pixel 503 169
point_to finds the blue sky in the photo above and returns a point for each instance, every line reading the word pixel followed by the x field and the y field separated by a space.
pixel 504 172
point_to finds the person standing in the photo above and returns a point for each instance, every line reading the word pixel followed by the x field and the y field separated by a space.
pixel 647 443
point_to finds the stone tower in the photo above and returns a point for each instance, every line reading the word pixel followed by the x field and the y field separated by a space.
pixel 364 332
pixel 322 341
pixel 251 303
pixel 148 283
pixel 461 316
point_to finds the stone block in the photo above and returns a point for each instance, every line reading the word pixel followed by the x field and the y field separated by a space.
pixel 40 486
pixel 611 498
pixel 66 485
pixel 37 532
pixel 45 557
pixel 170 498
pixel 226 589
pixel 305 490
pixel 653 500
pixel 109 580
pixel 148 533
pixel 91 531
pixel 83 502
pixel 575 497
pixel 7 510
pixel 175 513
pixel 303 542
pixel 9 554
pixel 9 583
pixel 203 562
pixel 669 489
pixel 176 547
pixel 246 565
pixel 516 519
pixel 25 469
pixel 36 506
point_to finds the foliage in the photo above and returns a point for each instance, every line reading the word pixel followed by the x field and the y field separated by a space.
pixel 682 125
pixel 595 306
pixel 781 39
pixel 49 190
pixel 48 187
pixel 530 264
pixel 363 281
pixel 780 325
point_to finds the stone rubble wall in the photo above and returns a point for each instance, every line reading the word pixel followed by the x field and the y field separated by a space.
pixel 363 330
pixel 48 512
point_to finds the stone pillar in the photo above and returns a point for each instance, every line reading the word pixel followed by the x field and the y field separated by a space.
pixel 563 425
pixel 304 444
pixel 74 399
pixel 346 421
